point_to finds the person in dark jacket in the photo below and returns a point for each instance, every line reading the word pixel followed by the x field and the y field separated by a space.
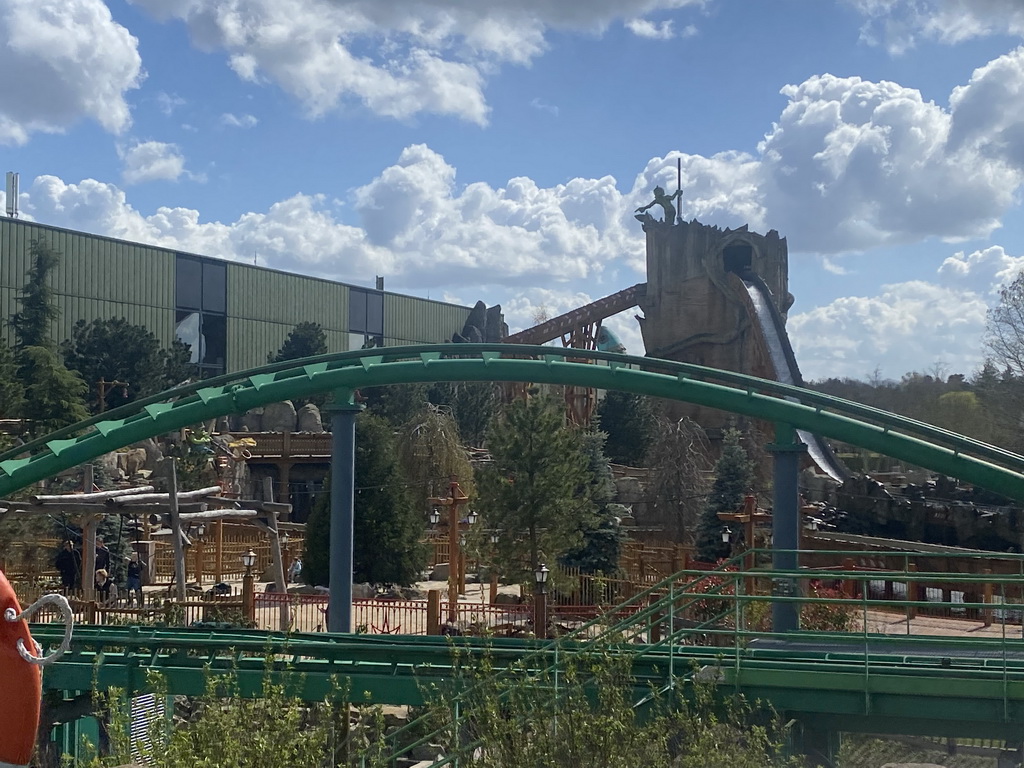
pixel 102 555
pixel 69 564
pixel 134 581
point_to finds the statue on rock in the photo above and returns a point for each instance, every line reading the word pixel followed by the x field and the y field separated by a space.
pixel 665 201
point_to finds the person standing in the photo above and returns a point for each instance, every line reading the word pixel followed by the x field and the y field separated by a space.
pixel 106 589
pixel 134 581
pixel 102 555
pixel 69 564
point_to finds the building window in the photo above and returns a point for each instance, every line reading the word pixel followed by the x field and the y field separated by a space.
pixel 365 318
pixel 200 298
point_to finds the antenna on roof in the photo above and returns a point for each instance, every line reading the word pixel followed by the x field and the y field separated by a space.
pixel 254 257
pixel 679 189
pixel 12 194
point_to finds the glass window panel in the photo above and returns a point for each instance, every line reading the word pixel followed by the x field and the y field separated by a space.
pixel 214 340
pixel 356 310
pixel 188 282
pixel 374 313
pixel 215 287
pixel 187 329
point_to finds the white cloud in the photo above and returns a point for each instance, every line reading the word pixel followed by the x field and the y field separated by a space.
pixel 984 271
pixel 63 60
pixel 168 102
pixel 900 24
pixel 396 58
pixel 853 164
pixel 542 106
pixel 238 121
pixel 906 324
pixel 151 161
pixel 648 29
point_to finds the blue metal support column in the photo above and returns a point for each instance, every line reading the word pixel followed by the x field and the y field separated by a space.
pixel 787 451
pixel 343 484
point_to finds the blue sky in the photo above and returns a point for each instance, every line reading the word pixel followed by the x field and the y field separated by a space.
pixel 496 150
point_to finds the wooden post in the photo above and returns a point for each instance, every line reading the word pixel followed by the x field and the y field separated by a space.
pixel 911 595
pixel 199 561
pixel 494 587
pixel 278 559
pixel 89 556
pixel 654 635
pixel 218 566
pixel 179 545
pixel 987 598
pixel 454 560
pixel 849 586
pixel 434 612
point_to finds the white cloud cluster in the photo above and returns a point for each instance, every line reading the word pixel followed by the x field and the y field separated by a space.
pixel 63 60
pixel 151 161
pixel 417 227
pixel 238 121
pixel 652 31
pixel 913 321
pixel 396 58
pixel 900 24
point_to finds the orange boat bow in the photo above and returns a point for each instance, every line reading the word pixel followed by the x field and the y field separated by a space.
pixel 21 685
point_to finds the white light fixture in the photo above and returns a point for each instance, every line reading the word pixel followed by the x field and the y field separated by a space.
pixel 249 559
pixel 462 539
pixel 541 574
pixel 435 516
pixel 726 535
pixel 495 537
pixel 472 517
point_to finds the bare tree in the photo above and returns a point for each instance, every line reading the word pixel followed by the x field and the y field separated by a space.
pixel 679 457
pixel 1004 337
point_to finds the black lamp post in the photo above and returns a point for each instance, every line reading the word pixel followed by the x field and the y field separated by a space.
pixel 248 560
pixel 540 601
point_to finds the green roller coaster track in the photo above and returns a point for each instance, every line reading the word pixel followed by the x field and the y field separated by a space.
pixel 911 441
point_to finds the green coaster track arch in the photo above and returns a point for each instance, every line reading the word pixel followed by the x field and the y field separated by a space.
pixel 911 441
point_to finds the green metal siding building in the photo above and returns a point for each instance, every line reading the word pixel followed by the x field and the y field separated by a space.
pixel 233 315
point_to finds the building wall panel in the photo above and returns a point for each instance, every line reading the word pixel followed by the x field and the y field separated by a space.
pixel 410 320
pixel 259 294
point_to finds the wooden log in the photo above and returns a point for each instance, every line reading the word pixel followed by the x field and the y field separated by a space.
pixel 218 514
pixel 100 509
pixel 97 496
pixel 251 503
pixel 148 498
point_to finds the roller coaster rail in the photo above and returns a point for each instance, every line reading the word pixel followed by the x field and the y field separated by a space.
pixel 914 441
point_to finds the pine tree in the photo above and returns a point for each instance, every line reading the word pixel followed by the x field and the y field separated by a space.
pixel 115 350
pixel 12 392
pixel 54 396
pixel 630 424
pixel 536 492
pixel 387 530
pixel 38 310
pixel 306 339
pixel 602 536
pixel 733 473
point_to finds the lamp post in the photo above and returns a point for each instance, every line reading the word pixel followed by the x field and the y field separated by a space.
pixel 495 538
pixel 286 556
pixel 456 497
pixel 248 604
pixel 540 601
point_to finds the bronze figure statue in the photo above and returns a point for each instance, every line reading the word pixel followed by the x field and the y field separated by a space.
pixel 665 201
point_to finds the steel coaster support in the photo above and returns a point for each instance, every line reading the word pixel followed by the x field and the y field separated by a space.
pixel 786 451
pixel 343 483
